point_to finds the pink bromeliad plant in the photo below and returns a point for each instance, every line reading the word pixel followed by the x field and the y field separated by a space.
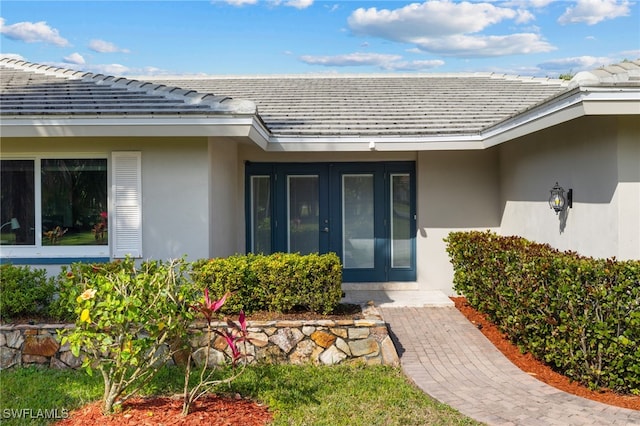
pixel 234 334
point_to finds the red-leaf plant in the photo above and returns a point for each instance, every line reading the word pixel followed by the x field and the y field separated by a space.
pixel 234 334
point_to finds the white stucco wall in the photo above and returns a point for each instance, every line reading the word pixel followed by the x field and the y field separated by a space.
pixel 457 191
pixel 226 199
pixel 597 159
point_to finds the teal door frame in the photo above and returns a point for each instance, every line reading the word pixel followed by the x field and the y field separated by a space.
pixel 330 212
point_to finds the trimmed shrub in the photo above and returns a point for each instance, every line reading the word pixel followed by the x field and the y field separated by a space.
pixel 279 282
pixel 580 315
pixel 24 292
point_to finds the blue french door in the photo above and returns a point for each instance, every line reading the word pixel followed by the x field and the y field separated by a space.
pixel 364 212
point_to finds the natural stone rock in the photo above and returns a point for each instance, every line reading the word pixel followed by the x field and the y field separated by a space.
pixel 315 355
pixel 70 360
pixel 343 346
pixel 258 339
pixel 389 353
pixel 180 353
pixel 358 333
pixel 302 353
pixel 3 340
pixel 270 355
pixel 332 356
pixel 15 339
pixel 376 360
pixel 287 338
pixel 220 343
pixel 340 332
pixel 215 357
pixel 34 359
pixel 378 333
pixel 8 357
pixel 57 364
pixel 322 338
pixel 308 329
pixel 364 347
pixel 40 345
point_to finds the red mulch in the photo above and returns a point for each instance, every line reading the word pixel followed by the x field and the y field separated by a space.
pixel 538 369
pixel 166 411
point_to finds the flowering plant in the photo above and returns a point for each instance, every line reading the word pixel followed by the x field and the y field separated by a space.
pixel 233 335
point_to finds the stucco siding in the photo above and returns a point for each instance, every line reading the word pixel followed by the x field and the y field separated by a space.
pixel 457 191
pixel 588 157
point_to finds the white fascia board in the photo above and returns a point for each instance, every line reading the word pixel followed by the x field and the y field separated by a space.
pixel 580 102
pixel 612 102
pixel 566 107
pixel 375 143
pixel 259 134
pixel 122 127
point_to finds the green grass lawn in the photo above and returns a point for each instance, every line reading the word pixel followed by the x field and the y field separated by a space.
pixel 298 395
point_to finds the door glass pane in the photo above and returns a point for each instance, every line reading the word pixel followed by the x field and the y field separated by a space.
pixel 400 221
pixel 261 214
pixel 74 202
pixel 357 221
pixel 302 214
pixel 17 209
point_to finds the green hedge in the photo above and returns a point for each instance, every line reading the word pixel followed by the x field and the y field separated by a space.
pixel 278 282
pixel 24 292
pixel 580 315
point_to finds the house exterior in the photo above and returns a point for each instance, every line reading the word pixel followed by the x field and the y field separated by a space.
pixel 377 168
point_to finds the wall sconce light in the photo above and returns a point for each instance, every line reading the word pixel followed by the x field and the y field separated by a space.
pixel 560 201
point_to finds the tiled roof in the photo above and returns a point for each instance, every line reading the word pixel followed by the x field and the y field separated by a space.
pixel 37 90
pixel 389 106
pixel 384 105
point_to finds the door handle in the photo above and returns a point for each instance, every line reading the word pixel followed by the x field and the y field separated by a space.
pixel 325 229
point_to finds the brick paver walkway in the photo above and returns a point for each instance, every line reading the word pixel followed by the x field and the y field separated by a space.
pixel 449 359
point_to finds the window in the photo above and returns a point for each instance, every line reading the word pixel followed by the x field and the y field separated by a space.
pixel 74 202
pixel 62 209
pixel 54 202
pixel 17 205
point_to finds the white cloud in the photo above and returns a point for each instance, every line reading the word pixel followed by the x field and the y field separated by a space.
pixel 485 46
pixel 449 28
pixel 421 65
pixel 240 2
pixel 299 4
pixel 593 11
pixel 536 4
pixel 350 59
pixel 74 58
pixel 575 64
pixel 102 46
pixel 33 32
pixel 383 61
pixel 432 18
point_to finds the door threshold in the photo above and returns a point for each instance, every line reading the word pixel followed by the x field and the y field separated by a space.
pixel 379 286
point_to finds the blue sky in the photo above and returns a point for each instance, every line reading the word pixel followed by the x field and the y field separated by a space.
pixel 250 37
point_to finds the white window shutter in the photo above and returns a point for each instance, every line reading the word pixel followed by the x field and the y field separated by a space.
pixel 126 189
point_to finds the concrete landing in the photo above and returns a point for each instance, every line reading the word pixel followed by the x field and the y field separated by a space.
pixel 398 298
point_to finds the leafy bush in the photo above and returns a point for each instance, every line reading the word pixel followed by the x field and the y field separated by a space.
pixel 129 320
pixel 24 291
pixel 578 314
pixel 278 282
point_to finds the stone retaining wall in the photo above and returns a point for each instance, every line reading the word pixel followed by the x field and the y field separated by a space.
pixel 297 342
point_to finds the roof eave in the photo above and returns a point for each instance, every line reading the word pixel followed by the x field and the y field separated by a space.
pixel 374 143
pixel 121 127
pixel 581 101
